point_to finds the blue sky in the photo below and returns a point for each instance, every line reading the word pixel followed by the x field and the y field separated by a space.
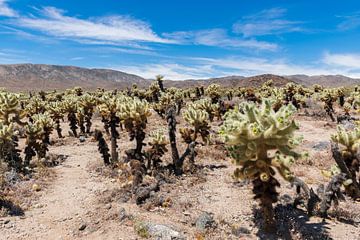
pixel 184 39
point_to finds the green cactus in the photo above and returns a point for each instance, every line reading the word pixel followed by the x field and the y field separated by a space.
pixel 108 110
pixel 88 103
pixel 8 146
pixel 214 92
pixel 133 114
pixel 46 123
pixel 198 120
pixel 33 133
pixel 250 135
pixel 158 148
pixel 10 110
pixel 350 162
pixel 70 105
pixel 56 111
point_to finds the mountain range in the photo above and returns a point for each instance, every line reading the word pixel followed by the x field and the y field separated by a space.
pixel 25 77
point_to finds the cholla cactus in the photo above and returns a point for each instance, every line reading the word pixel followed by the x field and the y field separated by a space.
pixel 35 106
pixel 158 148
pixel 10 110
pixel 88 103
pixel 206 105
pixel 198 119
pixel 341 95
pixel 108 110
pixel 154 92
pixel 33 133
pixel 328 96
pixel 70 105
pixel 347 108
pixel 214 92
pixel 133 114
pixel 45 122
pixel 349 161
pixel 56 111
pixel 8 146
pixel 160 81
pixel 166 101
pixel 250 136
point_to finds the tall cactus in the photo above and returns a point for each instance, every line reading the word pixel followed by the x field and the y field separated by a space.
pixel 348 158
pixel 133 114
pixel 250 135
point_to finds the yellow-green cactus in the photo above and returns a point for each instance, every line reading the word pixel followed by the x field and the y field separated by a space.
pixel 214 92
pixel 251 136
pixel 133 115
pixel 198 119
pixel 10 108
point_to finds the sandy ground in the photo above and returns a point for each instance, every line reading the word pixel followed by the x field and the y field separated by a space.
pixel 82 203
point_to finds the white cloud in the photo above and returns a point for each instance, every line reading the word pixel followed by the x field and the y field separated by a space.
pixel 5 10
pixel 171 71
pixel 219 38
pixel 111 29
pixel 267 22
pixel 351 61
pixel 201 68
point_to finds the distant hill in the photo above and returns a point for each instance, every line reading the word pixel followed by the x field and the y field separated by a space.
pixel 232 81
pixel 325 80
pixel 18 77
pixel 24 77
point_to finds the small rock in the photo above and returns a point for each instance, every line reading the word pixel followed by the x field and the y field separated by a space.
pixel 122 214
pixel 322 145
pixel 239 231
pixel 6 221
pixel 36 187
pixel 82 139
pixel 158 231
pixel 108 206
pixel 204 221
pixel 82 227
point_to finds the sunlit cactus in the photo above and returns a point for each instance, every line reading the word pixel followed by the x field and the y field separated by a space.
pixel 10 110
pixel 328 96
pixel 154 92
pixel 46 123
pixel 88 103
pixel 251 136
pixel 198 120
pixel 317 88
pixel 341 96
pixel 34 133
pixel 160 81
pixel 35 105
pixel 56 111
pixel 80 116
pixel 133 114
pixel 70 105
pixel 206 105
pixel 350 152
pixel 108 110
pixel 166 101
pixel 158 148
pixel 8 146
pixel 214 92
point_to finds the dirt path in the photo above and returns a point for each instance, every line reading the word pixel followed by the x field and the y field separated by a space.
pixel 66 204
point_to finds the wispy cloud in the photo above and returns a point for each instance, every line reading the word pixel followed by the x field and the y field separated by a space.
pixel 349 22
pixel 117 29
pixel 5 10
pixel 219 38
pixel 267 22
pixel 200 68
pixel 171 71
pixel 347 60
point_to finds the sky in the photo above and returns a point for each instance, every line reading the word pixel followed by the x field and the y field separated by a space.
pixel 183 39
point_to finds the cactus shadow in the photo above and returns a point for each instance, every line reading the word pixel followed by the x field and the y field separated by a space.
pixel 291 223
pixel 11 208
